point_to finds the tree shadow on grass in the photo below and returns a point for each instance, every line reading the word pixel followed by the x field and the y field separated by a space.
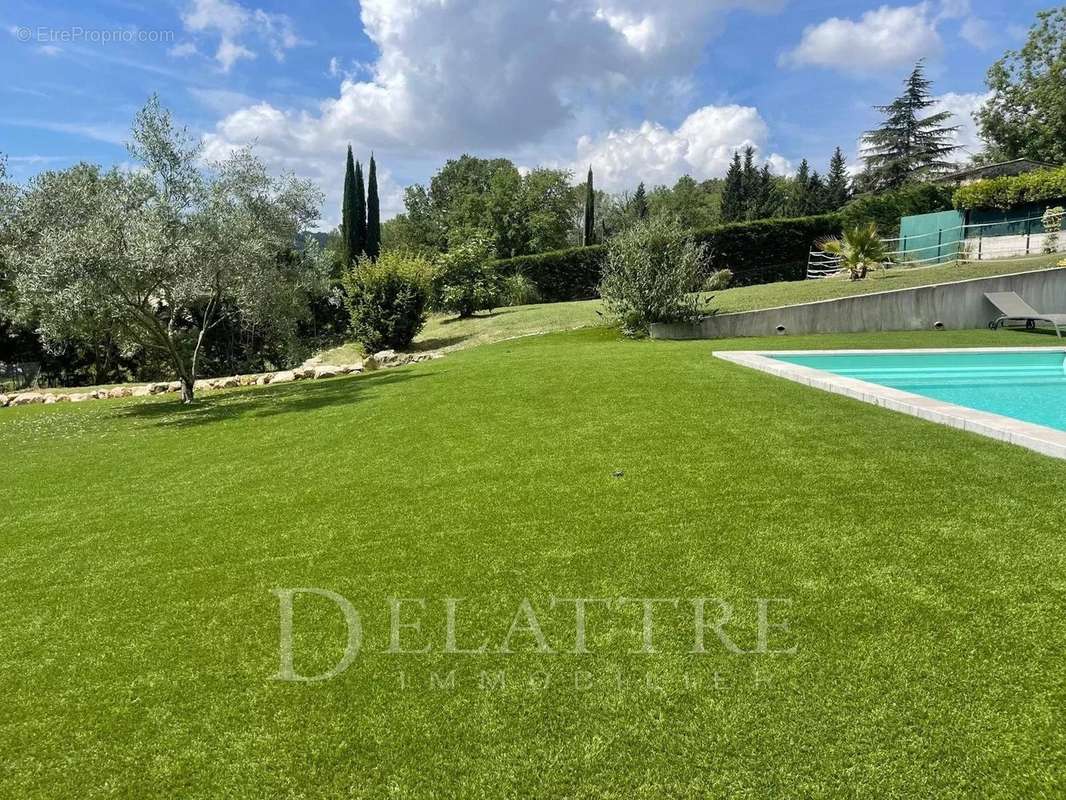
pixel 258 402
pixel 484 315
pixel 438 343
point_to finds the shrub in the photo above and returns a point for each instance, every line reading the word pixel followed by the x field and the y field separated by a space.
pixel 1052 222
pixel 519 290
pixel 652 274
pixel 859 249
pixel 465 280
pixel 387 299
pixel 1009 191
pixel 886 209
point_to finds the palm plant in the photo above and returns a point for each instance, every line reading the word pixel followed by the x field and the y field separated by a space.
pixel 858 249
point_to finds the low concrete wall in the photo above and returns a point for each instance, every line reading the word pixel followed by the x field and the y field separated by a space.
pixel 957 305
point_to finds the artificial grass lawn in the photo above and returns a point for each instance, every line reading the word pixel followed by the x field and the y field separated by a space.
pixel 142 540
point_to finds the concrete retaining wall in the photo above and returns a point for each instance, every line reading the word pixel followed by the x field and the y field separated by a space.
pixel 956 305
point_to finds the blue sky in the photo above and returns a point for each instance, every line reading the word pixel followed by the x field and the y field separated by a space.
pixel 641 90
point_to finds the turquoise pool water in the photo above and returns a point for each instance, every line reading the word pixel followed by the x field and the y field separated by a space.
pixel 1025 386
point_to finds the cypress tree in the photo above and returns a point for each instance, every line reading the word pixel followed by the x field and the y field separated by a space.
pixel 348 227
pixel 373 213
pixel 733 192
pixel 838 184
pixel 908 146
pixel 359 216
pixel 588 236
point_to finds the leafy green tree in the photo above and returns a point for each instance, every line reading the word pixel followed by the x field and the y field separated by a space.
pixel 908 146
pixel 838 183
pixel 546 207
pixel 465 280
pixel 1026 114
pixel 165 253
pixel 349 203
pixel 470 196
pixel 588 231
pixel 693 204
pixel 373 213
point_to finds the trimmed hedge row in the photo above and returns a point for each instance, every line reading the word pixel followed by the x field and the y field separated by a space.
pixel 559 275
pixel 763 251
pixel 1009 191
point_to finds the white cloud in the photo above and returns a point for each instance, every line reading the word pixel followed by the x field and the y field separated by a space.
pixel 440 86
pixel 701 146
pixel 977 32
pixel 883 38
pixel 963 106
pixel 233 23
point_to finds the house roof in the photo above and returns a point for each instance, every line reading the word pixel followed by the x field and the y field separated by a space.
pixel 1014 167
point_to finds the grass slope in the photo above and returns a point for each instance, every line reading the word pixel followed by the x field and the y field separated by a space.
pixel 509 323
pixel 142 541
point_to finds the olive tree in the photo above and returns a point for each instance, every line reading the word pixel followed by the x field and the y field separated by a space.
pixel 166 251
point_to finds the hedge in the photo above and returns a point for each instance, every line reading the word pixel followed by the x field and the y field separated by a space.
pixel 1009 191
pixel 559 275
pixel 763 251
pixel 886 209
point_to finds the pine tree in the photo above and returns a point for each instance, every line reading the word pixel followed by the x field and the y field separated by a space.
pixel 373 213
pixel 768 203
pixel 358 238
pixel 838 184
pixel 348 227
pixel 908 146
pixel 815 195
pixel 750 185
pixel 732 209
pixel 588 236
pixel 800 190
pixel 640 202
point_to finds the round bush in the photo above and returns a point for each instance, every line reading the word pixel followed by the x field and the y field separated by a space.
pixel 387 299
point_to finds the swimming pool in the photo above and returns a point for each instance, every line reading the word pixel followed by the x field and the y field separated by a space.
pixel 1029 386
pixel 1016 395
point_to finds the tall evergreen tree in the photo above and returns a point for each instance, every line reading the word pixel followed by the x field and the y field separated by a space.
pixel 767 201
pixel 732 208
pixel 358 239
pixel 588 236
pixel 838 183
pixel 373 213
pixel 348 210
pixel 800 190
pixel 908 146
pixel 640 202
pixel 750 185
pixel 815 195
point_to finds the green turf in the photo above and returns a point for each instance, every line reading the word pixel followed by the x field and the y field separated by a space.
pixel 141 541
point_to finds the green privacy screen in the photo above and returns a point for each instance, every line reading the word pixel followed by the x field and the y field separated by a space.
pixel 930 238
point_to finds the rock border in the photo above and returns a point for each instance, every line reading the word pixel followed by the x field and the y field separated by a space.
pixel 381 360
